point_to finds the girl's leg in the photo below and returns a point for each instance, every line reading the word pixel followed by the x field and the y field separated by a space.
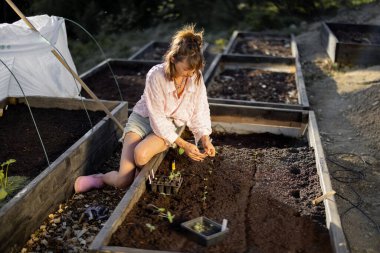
pixel 124 177
pixel 148 148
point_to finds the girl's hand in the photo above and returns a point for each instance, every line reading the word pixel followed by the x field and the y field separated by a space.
pixel 208 147
pixel 193 152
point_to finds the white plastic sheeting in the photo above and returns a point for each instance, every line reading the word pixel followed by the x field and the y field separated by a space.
pixel 28 55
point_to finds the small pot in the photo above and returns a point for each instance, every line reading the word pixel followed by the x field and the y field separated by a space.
pixel 164 185
pixel 204 231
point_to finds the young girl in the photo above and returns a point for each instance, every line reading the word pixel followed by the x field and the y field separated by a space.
pixel 174 95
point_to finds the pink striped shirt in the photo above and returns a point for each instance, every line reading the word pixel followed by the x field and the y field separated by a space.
pixel 161 104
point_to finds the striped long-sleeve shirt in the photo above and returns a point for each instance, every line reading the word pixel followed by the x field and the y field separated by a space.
pixel 161 104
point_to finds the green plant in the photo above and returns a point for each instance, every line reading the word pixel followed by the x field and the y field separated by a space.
pixel 150 227
pixel 4 178
pixel 199 227
pixel 161 213
pixel 174 175
pixel 181 151
pixel 204 194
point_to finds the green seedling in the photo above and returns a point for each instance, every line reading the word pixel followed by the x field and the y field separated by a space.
pixel 204 194
pixel 174 175
pixel 181 151
pixel 199 227
pixel 150 227
pixel 4 178
pixel 161 213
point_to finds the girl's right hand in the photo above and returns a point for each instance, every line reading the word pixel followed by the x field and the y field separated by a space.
pixel 193 152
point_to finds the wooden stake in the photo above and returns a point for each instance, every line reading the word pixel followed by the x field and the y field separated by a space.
pixel 323 197
pixel 87 89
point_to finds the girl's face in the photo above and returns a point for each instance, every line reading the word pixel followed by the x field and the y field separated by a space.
pixel 183 69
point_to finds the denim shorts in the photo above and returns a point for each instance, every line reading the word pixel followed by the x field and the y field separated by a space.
pixel 141 126
pixel 137 124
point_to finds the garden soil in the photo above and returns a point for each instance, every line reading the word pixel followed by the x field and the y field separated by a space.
pixel 346 101
pixel 262 184
pixel 263 46
pixel 254 85
pixel 59 130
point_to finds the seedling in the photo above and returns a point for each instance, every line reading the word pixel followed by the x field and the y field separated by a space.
pixel 150 227
pixel 199 227
pixel 4 178
pixel 161 213
pixel 181 151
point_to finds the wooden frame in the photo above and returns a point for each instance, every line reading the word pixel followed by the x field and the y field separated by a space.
pixel 24 213
pixel 350 53
pixel 275 120
pixel 289 65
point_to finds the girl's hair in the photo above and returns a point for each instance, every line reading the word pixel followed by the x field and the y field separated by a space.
pixel 186 45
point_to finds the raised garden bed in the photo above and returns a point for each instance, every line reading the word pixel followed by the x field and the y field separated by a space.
pixel 73 146
pixel 129 74
pixel 155 51
pixel 152 51
pixel 256 81
pixel 261 183
pixel 351 44
pixel 261 44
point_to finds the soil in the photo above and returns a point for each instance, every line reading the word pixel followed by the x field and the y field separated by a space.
pixel 59 130
pixel 131 81
pixel 70 228
pixel 254 85
pixel 346 102
pixel 263 46
pixel 154 53
pixel 262 184
pixel 358 37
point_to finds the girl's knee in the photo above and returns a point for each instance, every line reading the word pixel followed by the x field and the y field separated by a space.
pixel 141 157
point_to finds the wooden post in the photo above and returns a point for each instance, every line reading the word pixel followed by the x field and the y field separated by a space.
pixel 105 109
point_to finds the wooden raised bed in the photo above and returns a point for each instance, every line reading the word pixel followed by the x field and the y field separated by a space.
pixel 351 44
pixel 130 76
pixel 155 51
pixel 24 213
pixel 271 65
pixel 261 44
pixel 239 120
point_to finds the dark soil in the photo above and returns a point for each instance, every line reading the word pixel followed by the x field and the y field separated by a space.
pixel 69 228
pixel 59 130
pixel 358 37
pixel 254 85
pixel 262 184
pixel 154 53
pixel 264 46
pixel 131 80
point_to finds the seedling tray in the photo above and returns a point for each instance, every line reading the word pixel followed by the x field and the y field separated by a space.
pixel 239 120
pixel 271 67
pixel 261 44
pixel 213 231
pixel 130 76
pixel 351 44
pixel 162 184
pixel 25 212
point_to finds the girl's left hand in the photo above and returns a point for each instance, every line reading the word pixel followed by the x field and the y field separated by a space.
pixel 208 147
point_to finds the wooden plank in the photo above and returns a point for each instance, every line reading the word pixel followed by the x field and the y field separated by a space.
pixel 67 103
pixel 333 223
